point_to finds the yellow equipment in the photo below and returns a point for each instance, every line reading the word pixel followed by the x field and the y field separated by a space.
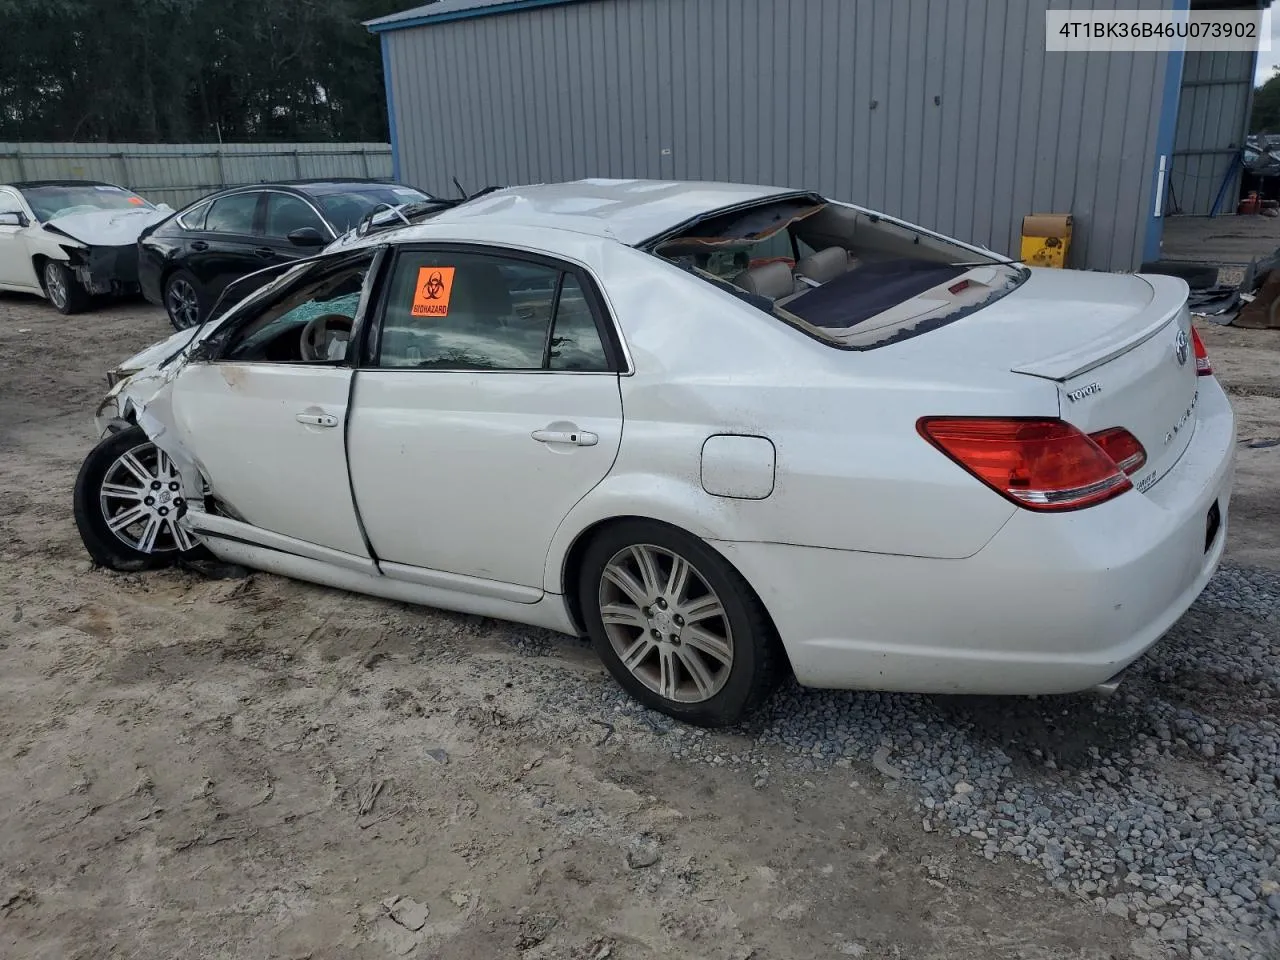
pixel 1046 239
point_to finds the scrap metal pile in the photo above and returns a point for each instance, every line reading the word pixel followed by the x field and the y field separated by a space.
pixel 1252 303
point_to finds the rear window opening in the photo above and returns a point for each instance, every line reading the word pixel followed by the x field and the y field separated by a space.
pixel 844 276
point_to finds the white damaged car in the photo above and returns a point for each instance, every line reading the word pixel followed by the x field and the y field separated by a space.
pixel 727 431
pixel 69 240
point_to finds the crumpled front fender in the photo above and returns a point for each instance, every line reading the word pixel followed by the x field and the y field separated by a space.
pixel 146 398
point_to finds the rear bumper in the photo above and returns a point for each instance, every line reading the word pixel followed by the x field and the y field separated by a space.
pixel 1052 604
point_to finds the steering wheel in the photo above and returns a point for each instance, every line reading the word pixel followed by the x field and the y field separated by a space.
pixel 314 341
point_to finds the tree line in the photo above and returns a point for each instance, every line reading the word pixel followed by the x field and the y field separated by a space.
pixel 199 71
pixel 1266 106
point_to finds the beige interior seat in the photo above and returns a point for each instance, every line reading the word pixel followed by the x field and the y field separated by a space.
pixel 772 280
pixel 826 264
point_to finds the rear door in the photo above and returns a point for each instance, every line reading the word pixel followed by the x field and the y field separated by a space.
pixel 230 244
pixel 488 406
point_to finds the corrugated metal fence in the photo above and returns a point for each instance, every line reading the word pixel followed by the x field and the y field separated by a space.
pixel 177 173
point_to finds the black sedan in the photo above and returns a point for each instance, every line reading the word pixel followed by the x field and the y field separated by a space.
pixel 186 261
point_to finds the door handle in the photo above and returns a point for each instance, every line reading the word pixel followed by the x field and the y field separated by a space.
pixel 317 419
pixel 581 438
pixel 199 245
pixel 266 253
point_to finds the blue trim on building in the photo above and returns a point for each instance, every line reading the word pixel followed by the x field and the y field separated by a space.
pixel 486 11
pixel 1166 134
pixel 391 108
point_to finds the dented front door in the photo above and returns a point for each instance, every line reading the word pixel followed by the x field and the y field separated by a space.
pixel 270 440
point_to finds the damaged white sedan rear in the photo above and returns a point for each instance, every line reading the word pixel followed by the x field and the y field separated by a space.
pixel 729 432
pixel 71 240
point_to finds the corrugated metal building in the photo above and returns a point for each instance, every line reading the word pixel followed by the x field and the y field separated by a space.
pixel 1213 121
pixel 949 113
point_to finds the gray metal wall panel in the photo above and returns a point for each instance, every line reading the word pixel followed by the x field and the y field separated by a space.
pixel 947 112
pixel 1212 121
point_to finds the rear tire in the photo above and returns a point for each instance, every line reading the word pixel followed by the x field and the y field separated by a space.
pixel 118 526
pixel 676 624
pixel 182 300
pixel 63 289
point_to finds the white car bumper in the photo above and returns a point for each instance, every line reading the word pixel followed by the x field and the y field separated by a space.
pixel 1054 603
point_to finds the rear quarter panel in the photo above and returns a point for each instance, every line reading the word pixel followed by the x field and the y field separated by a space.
pixel 158 254
pixel 851 471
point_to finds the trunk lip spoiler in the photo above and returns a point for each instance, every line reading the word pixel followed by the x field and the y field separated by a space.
pixel 1068 364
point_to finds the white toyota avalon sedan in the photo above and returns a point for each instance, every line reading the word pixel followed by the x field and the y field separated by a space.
pixel 726 431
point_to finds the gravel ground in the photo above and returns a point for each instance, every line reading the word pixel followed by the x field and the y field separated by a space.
pixel 260 767
pixel 1160 804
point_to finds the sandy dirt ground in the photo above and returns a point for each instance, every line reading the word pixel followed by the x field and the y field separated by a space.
pixel 262 768
pixel 1248 364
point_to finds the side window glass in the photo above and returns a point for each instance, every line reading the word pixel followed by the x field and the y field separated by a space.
pixel 233 214
pixel 9 203
pixel 575 341
pixel 193 219
pixel 286 214
pixel 464 311
pixel 276 331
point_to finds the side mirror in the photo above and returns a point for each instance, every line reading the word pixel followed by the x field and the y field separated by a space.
pixel 307 237
pixel 13 219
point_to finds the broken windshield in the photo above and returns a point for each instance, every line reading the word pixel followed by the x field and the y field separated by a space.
pixel 49 201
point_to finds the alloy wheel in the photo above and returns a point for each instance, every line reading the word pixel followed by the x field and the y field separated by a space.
pixel 141 500
pixel 666 623
pixel 182 303
pixel 55 284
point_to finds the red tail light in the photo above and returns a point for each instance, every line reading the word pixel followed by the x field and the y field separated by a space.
pixel 1203 367
pixel 1122 447
pixel 1038 464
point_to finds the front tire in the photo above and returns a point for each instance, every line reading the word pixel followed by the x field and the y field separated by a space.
pixel 63 289
pixel 128 498
pixel 676 624
pixel 182 302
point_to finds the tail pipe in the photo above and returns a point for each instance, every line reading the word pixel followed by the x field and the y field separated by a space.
pixel 1107 687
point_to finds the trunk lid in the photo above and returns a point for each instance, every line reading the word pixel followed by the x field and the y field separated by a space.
pixel 1116 346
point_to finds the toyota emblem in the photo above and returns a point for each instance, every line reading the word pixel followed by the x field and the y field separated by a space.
pixel 1181 347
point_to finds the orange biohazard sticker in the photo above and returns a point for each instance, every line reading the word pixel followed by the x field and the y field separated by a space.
pixel 431 296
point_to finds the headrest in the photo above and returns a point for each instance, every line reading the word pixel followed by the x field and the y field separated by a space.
pixel 772 280
pixel 824 265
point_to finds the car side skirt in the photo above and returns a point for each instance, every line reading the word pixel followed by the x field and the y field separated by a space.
pixel 23 288
pixel 549 612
